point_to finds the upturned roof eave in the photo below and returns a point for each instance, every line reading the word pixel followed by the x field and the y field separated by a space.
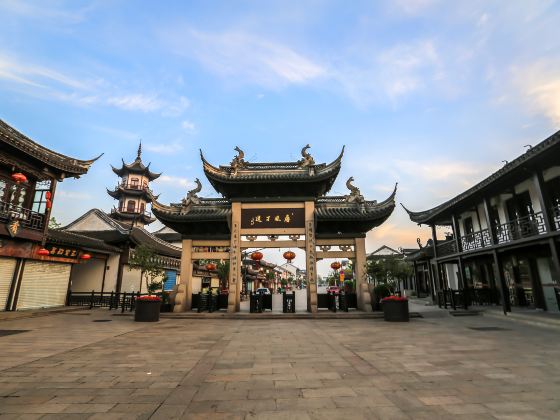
pixel 434 215
pixel 58 162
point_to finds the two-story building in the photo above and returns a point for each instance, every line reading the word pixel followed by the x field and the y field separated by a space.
pixel 35 262
pixel 503 233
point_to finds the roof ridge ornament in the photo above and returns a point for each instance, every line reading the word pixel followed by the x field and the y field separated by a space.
pixel 238 161
pixel 307 158
pixel 355 196
pixel 138 156
pixel 192 197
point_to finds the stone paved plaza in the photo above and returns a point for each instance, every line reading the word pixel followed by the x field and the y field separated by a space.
pixel 67 366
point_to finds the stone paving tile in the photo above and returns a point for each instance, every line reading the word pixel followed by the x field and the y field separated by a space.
pixel 277 369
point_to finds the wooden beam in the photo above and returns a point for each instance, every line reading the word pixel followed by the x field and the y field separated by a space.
pixel 210 256
pixel 335 242
pixel 216 242
pixel 335 254
pixel 273 244
pixel 273 231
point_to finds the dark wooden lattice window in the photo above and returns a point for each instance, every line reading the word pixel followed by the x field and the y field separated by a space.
pixel 40 199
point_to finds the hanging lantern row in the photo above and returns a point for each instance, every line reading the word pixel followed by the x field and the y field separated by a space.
pixel 85 257
pixel 210 266
pixel 289 256
pixel 336 265
pixel 19 177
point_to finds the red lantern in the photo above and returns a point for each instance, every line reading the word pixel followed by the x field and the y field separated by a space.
pixel 48 195
pixel 48 204
pixel 210 266
pixel 44 252
pixel 335 265
pixel 257 256
pixel 85 257
pixel 289 255
pixel 19 177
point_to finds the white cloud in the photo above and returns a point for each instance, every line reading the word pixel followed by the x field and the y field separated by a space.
pixel 164 149
pixel 136 102
pixel 48 83
pixel 44 11
pixel 539 86
pixel 247 57
pixel 176 181
pixel 414 7
pixel 188 126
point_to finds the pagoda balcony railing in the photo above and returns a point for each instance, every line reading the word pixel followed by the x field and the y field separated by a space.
pixel 555 211
pixel 448 247
pixel 476 240
pixel 523 227
pixel 27 218
pixel 130 210
pixel 131 186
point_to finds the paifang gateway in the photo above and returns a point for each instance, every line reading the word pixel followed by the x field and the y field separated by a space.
pixel 284 201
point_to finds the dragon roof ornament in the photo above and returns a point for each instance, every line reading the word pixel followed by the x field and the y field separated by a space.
pixel 192 197
pixel 238 161
pixel 355 196
pixel 307 159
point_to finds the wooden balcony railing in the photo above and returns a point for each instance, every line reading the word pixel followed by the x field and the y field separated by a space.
pixel 476 240
pixel 27 218
pixel 447 248
pixel 524 227
pixel 555 211
pixel 132 210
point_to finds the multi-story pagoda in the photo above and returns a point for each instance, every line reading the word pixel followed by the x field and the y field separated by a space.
pixel 133 192
pixel 285 202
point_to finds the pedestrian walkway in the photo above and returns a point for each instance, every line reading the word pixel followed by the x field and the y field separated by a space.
pixel 72 366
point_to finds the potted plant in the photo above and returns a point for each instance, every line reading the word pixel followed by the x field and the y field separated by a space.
pixel 395 309
pixel 144 258
pixel 147 308
pixel 380 292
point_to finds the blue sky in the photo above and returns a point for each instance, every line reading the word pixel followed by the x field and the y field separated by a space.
pixel 432 94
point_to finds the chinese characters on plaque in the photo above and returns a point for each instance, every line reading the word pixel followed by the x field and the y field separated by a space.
pixel 272 218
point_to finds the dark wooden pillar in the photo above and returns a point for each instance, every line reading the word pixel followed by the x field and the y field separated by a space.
pixel 491 227
pixel 544 202
pixel 462 284
pixel 554 255
pixel 415 276
pixel 501 281
pixel 456 233
pixel 434 240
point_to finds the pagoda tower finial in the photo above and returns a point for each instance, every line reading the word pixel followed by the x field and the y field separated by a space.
pixel 139 150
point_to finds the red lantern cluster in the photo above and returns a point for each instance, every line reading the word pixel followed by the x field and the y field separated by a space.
pixel 336 265
pixel 19 177
pixel 210 266
pixel 43 252
pixel 85 257
pixel 289 256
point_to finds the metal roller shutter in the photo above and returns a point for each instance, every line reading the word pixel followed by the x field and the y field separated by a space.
pixel 171 280
pixel 7 267
pixel 44 285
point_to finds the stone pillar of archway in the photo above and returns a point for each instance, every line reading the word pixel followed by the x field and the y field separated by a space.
pixel 183 298
pixel 235 262
pixel 311 261
pixel 364 297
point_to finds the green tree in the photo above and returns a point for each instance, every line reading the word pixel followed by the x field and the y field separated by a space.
pixel 145 259
pixel 223 273
pixel 53 223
